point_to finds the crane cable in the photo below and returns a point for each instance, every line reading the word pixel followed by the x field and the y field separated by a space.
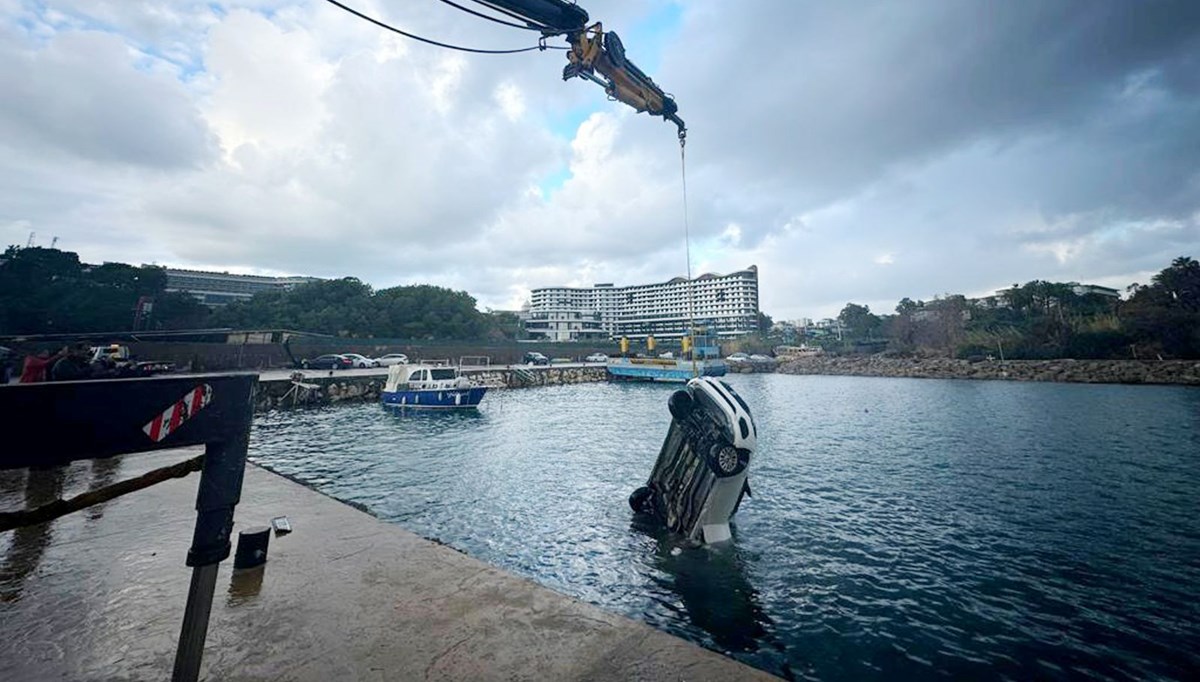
pixel 540 46
pixel 502 22
pixel 687 246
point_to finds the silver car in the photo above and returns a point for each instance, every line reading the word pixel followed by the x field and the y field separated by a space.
pixel 360 361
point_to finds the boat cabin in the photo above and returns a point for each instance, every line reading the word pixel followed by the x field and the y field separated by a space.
pixel 423 378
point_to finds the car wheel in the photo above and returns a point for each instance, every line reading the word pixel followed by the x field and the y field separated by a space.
pixel 681 405
pixel 724 460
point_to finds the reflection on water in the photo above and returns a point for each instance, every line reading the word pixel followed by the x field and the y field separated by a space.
pixel 29 543
pixel 713 588
pixel 245 584
pixel 103 473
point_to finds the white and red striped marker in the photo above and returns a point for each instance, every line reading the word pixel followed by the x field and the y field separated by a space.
pixel 171 418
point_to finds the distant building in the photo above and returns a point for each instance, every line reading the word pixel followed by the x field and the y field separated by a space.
pixel 1093 289
pixel 726 304
pixel 219 288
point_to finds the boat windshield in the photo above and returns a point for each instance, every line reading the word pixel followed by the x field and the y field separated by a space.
pixel 442 374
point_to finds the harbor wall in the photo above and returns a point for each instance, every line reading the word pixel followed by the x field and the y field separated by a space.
pixel 1179 372
pixel 325 390
pixel 211 357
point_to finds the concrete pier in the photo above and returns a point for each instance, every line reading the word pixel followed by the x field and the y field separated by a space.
pixel 276 388
pixel 99 595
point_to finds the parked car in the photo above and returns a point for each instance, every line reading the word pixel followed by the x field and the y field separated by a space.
pixel 761 358
pixel 596 357
pixel 391 359
pixel 535 358
pixel 738 357
pixel 359 361
pixel 330 361
pixel 666 356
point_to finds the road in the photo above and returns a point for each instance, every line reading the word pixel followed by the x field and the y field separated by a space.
pixel 283 374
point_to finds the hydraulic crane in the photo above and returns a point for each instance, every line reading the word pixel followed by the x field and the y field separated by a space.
pixel 595 54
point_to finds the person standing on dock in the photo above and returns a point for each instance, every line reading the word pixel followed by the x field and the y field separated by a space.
pixel 37 366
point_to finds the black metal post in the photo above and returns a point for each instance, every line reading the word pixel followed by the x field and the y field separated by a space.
pixel 220 490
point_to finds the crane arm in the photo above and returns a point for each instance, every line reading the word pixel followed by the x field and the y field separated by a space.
pixel 595 55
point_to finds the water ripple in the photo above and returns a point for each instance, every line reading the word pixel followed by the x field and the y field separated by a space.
pixel 899 528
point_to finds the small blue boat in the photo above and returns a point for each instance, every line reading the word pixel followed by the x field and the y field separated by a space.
pixel 430 387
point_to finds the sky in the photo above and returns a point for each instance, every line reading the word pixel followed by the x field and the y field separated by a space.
pixel 854 151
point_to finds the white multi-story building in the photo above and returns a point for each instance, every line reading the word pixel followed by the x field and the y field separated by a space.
pixel 725 304
pixel 218 288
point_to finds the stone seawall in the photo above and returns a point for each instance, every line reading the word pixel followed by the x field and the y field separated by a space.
pixel 1181 372
pixel 324 390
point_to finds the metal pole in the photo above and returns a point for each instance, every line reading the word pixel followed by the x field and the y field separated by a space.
pixel 195 624
pixel 219 491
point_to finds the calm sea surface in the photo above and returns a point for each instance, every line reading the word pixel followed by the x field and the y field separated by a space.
pixel 898 528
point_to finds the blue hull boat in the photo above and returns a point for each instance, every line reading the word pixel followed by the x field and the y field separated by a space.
pixel 429 387
pixel 436 400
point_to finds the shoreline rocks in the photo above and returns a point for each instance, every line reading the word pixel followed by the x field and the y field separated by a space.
pixel 1171 372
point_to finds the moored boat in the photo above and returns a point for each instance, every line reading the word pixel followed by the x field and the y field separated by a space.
pixel 430 387
pixel 663 369
pixel 700 357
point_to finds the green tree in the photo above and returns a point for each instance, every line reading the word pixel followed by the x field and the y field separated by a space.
pixel 858 321
pixel 764 323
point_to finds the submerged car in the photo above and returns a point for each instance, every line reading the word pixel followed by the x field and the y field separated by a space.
pixel 699 478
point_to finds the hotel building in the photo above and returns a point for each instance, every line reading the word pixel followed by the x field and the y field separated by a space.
pixel 725 304
pixel 218 288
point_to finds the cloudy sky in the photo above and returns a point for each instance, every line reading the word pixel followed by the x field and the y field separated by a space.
pixel 854 151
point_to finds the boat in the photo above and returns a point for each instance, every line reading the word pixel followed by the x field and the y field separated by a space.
pixel 701 357
pixel 433 387
pixel 678 370
pixel 700 477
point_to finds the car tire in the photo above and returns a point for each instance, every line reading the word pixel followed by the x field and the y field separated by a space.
pixel 724 460
pixel 680 405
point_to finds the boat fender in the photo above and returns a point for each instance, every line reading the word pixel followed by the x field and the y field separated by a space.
pixel 681 404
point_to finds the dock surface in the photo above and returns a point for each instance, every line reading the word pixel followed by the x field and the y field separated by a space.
pixel 99 595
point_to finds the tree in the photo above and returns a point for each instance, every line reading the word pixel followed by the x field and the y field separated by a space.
pixel 765 323
pixel 858 321
pixel 1164 316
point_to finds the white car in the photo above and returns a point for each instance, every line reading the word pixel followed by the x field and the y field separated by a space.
pixel 596 357
pixel 391 359
pixel 360 361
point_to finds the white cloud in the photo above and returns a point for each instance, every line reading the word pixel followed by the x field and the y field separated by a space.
pixel 288 136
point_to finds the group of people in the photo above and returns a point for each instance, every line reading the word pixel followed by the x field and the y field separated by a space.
pixel 72 363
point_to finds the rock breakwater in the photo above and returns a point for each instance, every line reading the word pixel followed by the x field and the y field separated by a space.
pixel 1182 372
